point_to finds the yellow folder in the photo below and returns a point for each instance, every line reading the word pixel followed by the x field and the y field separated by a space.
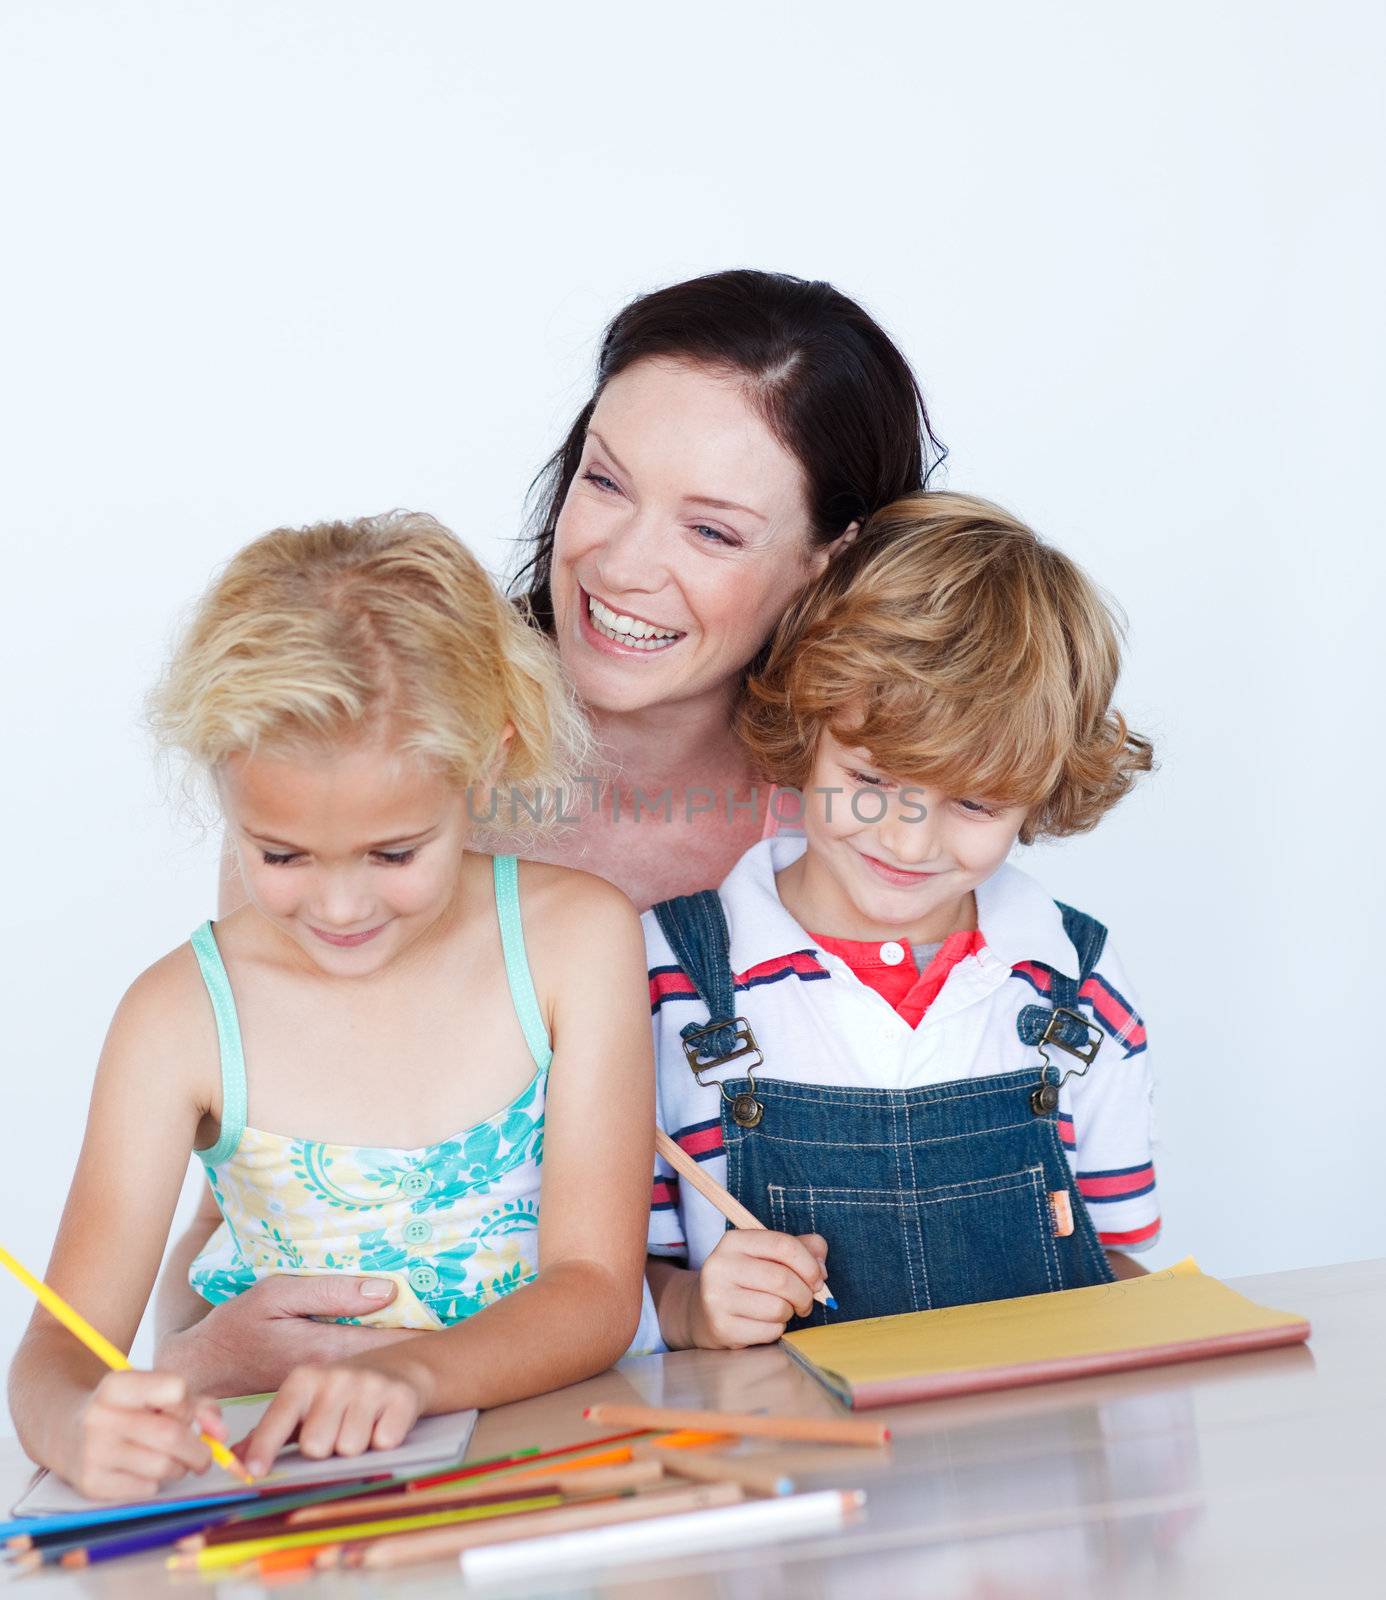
pixel 1175 1315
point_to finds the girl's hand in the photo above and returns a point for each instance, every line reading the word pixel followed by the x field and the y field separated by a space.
pixel 752 1284
pixel 341 1408
pixel 135 1433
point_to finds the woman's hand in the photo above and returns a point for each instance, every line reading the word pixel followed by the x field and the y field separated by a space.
pixel 135 1433
pixel 249 1344
pixel 752 1284
pixel 343 1408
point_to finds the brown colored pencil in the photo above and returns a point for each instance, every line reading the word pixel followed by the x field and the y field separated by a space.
pixel 819 1430
pixel 576 1485
pixel 723 1199
pixel 406 1549
pixel 702 1467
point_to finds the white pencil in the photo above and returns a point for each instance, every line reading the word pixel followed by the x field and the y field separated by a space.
pixel 693 1533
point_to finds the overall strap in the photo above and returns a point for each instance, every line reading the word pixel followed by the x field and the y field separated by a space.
pixel 506 876
pixel 696 928
pixel 213 971
pixel 1088 938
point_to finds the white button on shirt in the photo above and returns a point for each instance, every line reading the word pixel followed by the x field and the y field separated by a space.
pixel 816 1022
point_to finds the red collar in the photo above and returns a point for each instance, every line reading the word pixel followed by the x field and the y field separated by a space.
pixel 909 991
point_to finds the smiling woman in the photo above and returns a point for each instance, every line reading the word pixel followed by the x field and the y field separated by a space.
pixel 742 427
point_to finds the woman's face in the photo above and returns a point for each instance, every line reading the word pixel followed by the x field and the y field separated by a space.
pixel 682 540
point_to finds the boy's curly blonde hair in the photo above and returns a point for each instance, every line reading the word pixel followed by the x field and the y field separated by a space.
pixel 344 630
pixel 963 653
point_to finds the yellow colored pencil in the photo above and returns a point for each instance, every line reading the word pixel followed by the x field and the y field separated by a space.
pixel 102 1348
pixel 216 1556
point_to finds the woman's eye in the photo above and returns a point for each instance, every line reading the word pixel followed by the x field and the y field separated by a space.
pixel 976 808
pixel 709 535
pixel 396 858
pixel 601 481
pixel 867 779
pixel 274 858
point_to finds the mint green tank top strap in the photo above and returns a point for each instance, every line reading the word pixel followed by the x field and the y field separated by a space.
pixel 454 1224
pixel 505 872
pixel 505 876
pixel 229 1041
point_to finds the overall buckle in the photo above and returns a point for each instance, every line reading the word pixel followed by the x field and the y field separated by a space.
pixel 746 1110
pixel 1045 1099
pixel 1086 1053
pixel 745 1046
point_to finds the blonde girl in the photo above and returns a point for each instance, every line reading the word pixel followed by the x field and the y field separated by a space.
pixel 402 1057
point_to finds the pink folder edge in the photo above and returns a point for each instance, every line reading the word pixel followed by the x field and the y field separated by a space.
pixel 941 1385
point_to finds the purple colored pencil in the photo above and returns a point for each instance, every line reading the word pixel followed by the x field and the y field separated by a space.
pixel 126 1545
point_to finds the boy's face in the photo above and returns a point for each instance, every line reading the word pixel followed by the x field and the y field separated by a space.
pixel 887 859
pixel 354 853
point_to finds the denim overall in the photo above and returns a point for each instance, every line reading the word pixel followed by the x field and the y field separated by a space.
pixel 928 1197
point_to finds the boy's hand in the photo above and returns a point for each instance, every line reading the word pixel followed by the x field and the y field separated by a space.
pixel 135 1433
pixel 340 1408
pixel 752 1284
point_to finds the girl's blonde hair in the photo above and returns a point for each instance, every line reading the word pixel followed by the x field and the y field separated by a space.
pixel 963 653
pixel 344 630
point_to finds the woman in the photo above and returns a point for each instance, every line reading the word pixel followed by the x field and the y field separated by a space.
pixel 742 427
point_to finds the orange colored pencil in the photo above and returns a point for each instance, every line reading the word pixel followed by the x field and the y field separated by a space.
pixel 277 1562
pixel 820 1430
pixel 684 1439
pixel 527 1458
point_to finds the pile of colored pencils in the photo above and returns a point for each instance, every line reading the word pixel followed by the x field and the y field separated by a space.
pixel 661 1469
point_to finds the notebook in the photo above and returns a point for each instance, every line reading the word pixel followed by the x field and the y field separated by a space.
pixel 1174 1315
pixel 439 1440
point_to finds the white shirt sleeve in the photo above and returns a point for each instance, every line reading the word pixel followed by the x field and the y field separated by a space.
pixel 1112 1115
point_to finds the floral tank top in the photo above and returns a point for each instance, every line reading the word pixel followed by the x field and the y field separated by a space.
pixel 455 1225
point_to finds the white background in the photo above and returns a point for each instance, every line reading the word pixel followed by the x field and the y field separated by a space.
pixel 268 263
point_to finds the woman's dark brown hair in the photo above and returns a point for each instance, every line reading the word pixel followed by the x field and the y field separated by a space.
pixel 831 385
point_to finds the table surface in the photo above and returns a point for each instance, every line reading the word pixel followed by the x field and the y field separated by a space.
pixel 1254 1474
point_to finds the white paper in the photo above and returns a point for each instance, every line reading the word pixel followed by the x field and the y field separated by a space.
pixel 440 1441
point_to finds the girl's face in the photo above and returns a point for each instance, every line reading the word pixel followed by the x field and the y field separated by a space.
pixel 682 540
pixel 354 853
pixel 887 859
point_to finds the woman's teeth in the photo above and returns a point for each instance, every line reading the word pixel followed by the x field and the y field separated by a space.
pixel 628 630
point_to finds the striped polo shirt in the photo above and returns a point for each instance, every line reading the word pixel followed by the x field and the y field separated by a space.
pixel 817 1022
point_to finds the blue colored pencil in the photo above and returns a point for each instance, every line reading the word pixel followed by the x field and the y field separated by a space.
pixel 254 1504
pixel 96 1516
pixel 72 1538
